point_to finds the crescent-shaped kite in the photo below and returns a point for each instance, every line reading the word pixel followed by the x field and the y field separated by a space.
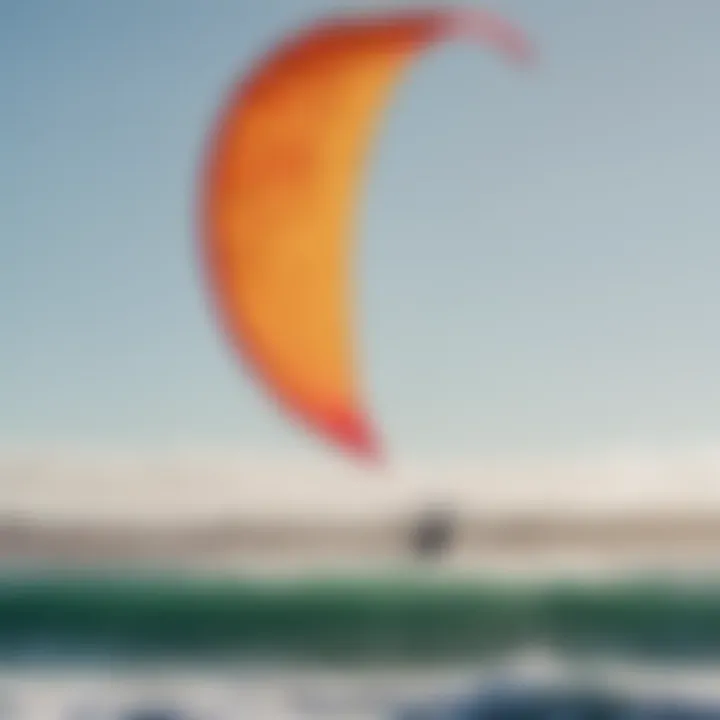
pixel 279 195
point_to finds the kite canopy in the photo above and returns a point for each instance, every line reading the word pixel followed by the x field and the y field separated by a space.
pixel 279 197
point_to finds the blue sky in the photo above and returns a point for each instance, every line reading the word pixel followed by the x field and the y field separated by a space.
pixel 538 250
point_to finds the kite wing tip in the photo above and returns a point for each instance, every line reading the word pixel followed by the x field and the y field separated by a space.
pixel 481 25
pixel 354 431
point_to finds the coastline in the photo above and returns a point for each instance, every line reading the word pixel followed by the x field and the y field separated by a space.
pixel 538 543
pixel 235 511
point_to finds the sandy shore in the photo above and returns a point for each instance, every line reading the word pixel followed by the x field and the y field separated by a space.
pixel 478 541
pixel 648 510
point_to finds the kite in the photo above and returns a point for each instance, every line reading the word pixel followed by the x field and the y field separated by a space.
pixel 279 192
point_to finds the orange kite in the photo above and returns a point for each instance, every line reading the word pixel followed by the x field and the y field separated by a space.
pixel 279 197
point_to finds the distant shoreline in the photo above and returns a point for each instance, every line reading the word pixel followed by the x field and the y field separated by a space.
pixel 519 537
pixel 643 509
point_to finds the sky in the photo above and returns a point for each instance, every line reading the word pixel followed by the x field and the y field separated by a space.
pixel 537 249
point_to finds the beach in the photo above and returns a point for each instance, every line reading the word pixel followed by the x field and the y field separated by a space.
pixel 240 513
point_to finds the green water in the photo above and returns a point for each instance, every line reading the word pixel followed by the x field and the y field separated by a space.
pixel 360 620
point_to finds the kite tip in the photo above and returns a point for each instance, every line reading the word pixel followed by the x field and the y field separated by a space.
pixel 481 25
pixel 354 431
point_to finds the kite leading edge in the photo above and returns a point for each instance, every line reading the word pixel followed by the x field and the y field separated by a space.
pixel 279 195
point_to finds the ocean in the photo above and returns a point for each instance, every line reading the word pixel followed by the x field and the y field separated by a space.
pixel 161 647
